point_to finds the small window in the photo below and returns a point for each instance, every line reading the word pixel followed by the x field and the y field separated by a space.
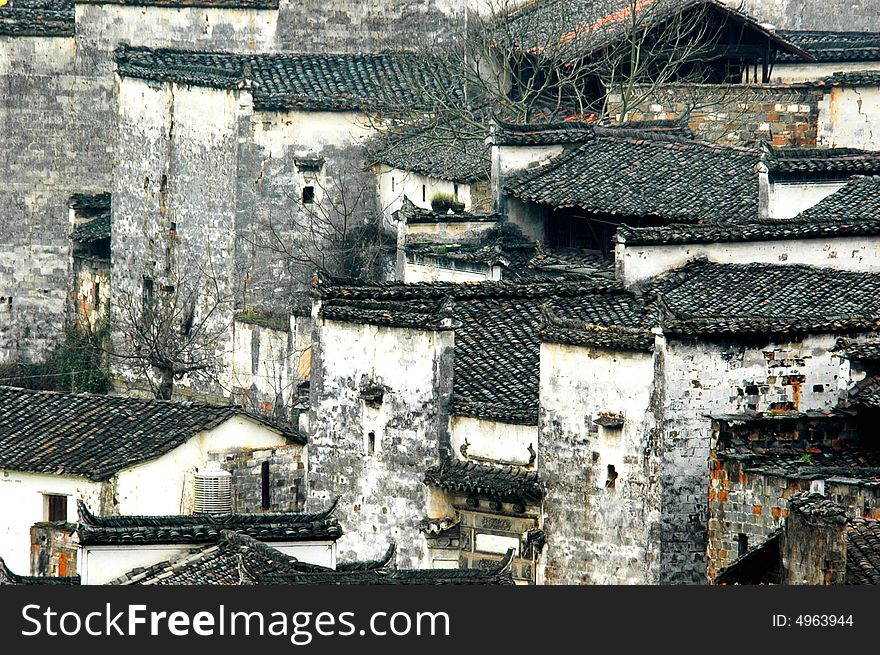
pixel 371 443
pixel 56 508
pixel 264 474
pixel 392 185
pixel 455 189
pixel 308 195
pixel 742 544
pixel 97 299
pixel 611 482
pixel 424 192
pixel 149 295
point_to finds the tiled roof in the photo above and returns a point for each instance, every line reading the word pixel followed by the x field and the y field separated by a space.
pixel 96 436
pixel 500 574
pixel 204 528
pixel 802 227
pixel 90 202
pixel 706 298
pixel 539 134
pixel 859 198
pixel 498 342
pixel 217 563
pixel 504 484
pixel 576 132
pixel 37 18
pixel 441 151
pixel 648 175
pixel 97 229
pixel 782 161
pixel 582 27
pixel 865 393
pixel 815 504
pixel 852 78
pixel 282 82
pixel 869 350
pixel 863 552
pixel 7 577
pixel 801 460
pixel 832 47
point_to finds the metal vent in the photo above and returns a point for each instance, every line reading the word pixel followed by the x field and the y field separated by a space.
pixel 213 492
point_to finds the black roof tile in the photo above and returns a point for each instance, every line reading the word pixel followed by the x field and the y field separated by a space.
pixel 782 161
pixel 802 227
pixel 96 229
pixel 37 18
pixel 507 483
pixel 217 563
pixel 648 175
pixel 859 199
pixel 444 151
pixel 852 78
pixel 863 552
pixel 706 298
pixel 832 47
pixel 867 351
pixel 96 436
pixel 500 574
pixel 7 577
pixel 204 528
pixel 283 82
pixel 497 343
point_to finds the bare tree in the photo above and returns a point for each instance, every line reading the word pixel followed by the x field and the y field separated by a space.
pixel 333 229
pixel 590 61
pixel 174 330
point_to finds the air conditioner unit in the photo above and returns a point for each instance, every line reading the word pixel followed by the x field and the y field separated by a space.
pixel 213 492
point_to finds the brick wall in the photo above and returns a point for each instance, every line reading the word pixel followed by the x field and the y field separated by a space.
pixel 784 115
pixel 287 478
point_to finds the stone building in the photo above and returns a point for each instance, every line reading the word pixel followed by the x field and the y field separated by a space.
pixel 57 62
pixel 818 544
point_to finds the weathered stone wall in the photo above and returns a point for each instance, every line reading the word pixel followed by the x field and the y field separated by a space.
pixel 287 478
pixel 703 378
pixel 602 502
pixel 53 549
pixel 850 117
pixel 845 15
pixel 785 115
pixel 174 204
pixel 813 549
pixel 755 503
pixel 378 419
pixel 51 150
pixel 58 113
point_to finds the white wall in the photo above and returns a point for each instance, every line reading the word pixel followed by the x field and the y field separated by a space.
pixel 596 534
pixel 21 496
pixel 806 72
pixel 788 199
pixel 847 253
pixel 102 564
pixel 849 117
pixel 165 485
pixel 395 183
pixel 499 442
pixel 435 272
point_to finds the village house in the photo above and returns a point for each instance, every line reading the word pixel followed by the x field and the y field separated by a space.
pixel 57 59
pixel 129 456
pixel 127 545
pixel 818 544
pixel 433 167
pixel 237 559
